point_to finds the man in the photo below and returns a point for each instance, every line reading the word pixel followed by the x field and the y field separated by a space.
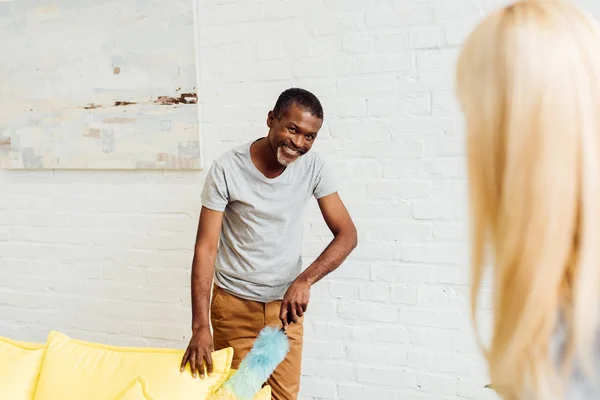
pixel 250 239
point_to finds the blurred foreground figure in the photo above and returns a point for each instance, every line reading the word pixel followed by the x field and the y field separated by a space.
pixel 528 80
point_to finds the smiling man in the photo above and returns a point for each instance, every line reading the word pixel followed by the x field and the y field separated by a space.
pixel 250 240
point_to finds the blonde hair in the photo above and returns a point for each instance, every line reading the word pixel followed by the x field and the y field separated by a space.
pixel 528 80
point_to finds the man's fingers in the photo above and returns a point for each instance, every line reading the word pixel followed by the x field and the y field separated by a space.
pixel 201 366
pixel 184 360
pixel 283 314
pixel 209 364
pixel 299 310
pixel 193 363
pixel 293 314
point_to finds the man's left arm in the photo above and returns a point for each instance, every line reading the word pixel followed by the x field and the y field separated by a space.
pixel 345 239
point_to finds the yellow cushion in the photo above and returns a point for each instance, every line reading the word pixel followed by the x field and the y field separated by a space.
pixel 20 364
pixel 75 370
pixel 137 391
pixel 263 394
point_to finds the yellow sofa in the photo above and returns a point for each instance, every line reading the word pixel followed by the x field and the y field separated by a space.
pixel 67 369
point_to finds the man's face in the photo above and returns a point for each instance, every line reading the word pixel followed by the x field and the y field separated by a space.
pixel 293 135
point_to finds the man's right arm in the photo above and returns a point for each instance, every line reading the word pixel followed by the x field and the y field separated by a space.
pixel 205 250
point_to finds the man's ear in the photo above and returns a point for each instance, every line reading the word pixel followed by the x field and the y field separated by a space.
pixel 270 119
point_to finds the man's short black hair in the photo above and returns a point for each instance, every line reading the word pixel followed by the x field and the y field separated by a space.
pixel 300 97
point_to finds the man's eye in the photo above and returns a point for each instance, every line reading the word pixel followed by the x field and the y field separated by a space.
pixel 310 137
pixel 292 129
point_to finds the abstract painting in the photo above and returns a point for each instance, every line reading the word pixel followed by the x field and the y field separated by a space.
pixel 93 84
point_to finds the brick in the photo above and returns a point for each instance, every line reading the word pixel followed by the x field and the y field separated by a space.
pixel 401 17
pixel 449 254
pixel 158 295
pixel 379 209
pixel 221 73
pixel 451 168
pixel 383 106
pixel 374 292
pixel 321 308
pixel 177 223
pixel 437 68
pixel 356 43
pixel 404 273
pixel 450 232
pixel 359 392
pixel 451 190
pixel 331 370
pixel 432 319
pixel 354 310
pixel 367 85
pixel 266 70
pixel 416 103
pixel 391 42
pixel 379 62
pixel 404 147
pixel 376 130
pixel 445 104
pixel 169 332
pixel 234 52
pixel 423 38
pixel 379 251
pixel 319 68
pixel 387 355
pixel 393 378
pixel 343 290
pixel 444 362
pixel 332 331
pixel 269 50
pixel 317 388
pixel 429 210
pixel 226 113
pixel 400 168
pixel 325 45
pixel 430 338
pixel 456 35
pixel 168 313
pixel 404 295
pixel 344 108
pixel 399 190
pixel 169 278
pixel 437 384
pixel 383 333
pixel 351 270
pixel 335 23
pixel 423 126
pixel 323 350
pixel 448 13
pixel 118 309
pixel 365 169
pixel 442 298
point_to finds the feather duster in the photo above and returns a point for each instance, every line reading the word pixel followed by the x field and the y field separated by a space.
pixel 269 350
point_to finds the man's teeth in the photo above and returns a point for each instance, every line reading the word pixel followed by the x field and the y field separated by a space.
pixel 290 151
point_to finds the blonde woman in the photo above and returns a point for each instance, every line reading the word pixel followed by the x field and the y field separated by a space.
pixel 528 80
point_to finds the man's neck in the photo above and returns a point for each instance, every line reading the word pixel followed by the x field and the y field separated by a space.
pixel 265 159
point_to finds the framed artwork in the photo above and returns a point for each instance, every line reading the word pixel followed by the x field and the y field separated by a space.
pixel 109 84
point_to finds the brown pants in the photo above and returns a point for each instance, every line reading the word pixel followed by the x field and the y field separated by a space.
pixel 236 323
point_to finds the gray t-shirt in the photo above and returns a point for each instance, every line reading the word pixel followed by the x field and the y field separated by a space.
pixel 260 246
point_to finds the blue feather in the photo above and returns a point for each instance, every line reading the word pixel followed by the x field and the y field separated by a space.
pixel 269 350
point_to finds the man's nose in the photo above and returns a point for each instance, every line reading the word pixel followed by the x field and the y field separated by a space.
pixel 298 141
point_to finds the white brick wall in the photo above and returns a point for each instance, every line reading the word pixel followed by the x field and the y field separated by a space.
pixel 105 256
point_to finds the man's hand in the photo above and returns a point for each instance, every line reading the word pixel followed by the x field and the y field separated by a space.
pixel 199 352
pixel 295 303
